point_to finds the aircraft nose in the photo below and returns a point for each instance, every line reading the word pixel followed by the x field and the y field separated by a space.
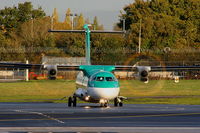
pixel 103 93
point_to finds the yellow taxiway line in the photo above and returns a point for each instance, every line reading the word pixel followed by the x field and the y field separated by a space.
pixel 106 117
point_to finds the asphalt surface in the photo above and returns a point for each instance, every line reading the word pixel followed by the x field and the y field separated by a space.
pixel 92 117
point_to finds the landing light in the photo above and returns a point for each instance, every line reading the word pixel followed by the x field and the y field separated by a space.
pixel 87 98
pixel 102 101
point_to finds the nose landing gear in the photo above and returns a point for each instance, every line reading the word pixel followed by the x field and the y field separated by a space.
pixel 103 103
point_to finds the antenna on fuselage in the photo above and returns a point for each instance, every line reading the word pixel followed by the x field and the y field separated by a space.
pixel 87 32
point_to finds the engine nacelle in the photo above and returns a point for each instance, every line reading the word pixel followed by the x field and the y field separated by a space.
pixel 143 72
pixel 81 93
pixel 52 71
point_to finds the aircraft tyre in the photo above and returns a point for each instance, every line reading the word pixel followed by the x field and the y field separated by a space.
pixel 106 104
pixel 120 104
pixel 74 101
pixel 69 101
pixel 115 102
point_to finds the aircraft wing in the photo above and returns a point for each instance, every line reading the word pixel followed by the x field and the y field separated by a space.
pixel 38 66
pixel 158 68
pixel 117 68
pixel 143 71
pixel 21 66
pixel 68 68
pixel 125 68
pixel 175 68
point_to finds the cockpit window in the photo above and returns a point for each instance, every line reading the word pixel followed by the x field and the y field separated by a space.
pixel 100 79
pixel 109 79
pixel 94 78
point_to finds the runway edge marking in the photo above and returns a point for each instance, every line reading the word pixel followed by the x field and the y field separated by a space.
pixel 41 114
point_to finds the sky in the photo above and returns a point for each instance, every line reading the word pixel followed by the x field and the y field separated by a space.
pixel 107 11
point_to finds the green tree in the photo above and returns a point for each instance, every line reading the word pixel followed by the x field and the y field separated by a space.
pixel 80 22
pixel 67 20
pixel 96 25
pixel 34 40
pixel 71 44
pixel 12 17
pixel 55 17
pixel 165 23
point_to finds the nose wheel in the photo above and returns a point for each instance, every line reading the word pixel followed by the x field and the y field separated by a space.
pixel 118 102
pixel 104 103
pixel 72 101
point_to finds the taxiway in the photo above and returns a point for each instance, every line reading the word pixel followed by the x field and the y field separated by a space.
pixel 91 117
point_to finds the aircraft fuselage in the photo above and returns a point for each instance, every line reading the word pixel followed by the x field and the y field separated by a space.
pixel 97 85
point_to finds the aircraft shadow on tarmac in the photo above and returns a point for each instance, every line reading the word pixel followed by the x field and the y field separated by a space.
pixel 92 106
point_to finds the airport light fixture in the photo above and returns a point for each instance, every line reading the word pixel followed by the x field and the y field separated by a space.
pixel 52 22
pixel 124 24
pixel 72 18
pixel 32 23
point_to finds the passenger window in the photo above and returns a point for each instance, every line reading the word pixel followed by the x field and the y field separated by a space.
pixel 109 79
pixel 100 79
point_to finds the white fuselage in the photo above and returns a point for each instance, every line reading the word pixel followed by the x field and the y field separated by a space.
pixel 103 93
pixel 93 94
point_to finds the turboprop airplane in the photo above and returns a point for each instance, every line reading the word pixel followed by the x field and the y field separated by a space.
pixel 96 83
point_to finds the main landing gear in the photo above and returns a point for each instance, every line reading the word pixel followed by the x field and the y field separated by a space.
pixel 118 101
pixel 72 101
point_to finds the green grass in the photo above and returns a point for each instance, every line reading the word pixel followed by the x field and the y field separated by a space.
pixel 135 88
pixel 33 91
pixel 132 88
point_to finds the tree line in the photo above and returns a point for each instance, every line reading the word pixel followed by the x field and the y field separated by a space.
pixel 170 30
pixel 165 24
